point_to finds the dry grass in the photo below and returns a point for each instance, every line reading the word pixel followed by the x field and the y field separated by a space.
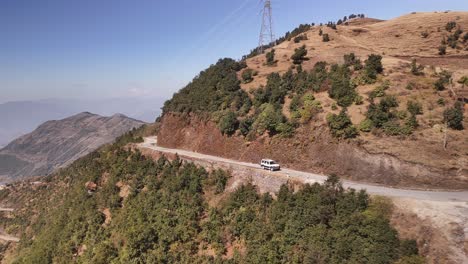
pixel 398 41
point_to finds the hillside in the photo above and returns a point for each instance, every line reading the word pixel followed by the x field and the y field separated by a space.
pixel 119 206
pixel 355 104
pixel 56 144
pixel 21 117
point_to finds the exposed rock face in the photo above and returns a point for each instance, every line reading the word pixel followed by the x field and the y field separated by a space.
pixel 57 143
pixel 316 152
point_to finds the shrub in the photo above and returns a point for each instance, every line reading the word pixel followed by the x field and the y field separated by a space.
pixel 358 100
pixel 320 32
pixel 444 79
pixel 300 38
pixel 424 34
pixel 442 50
pixel 228 124
pixel 463 81
pixel 441 101
pixel 412 122
pixel 381 113
pixel 341 126
pixel 245 126
pixel 299 55
pixel 325 38
pixel 310 107
pixel 415 108
pixel 268 119
pixel 465 37
pixel 270 57
pixel 366 125
pixel 247 75
pixel 453 117
pixel 285 129
pixel 452 41
pixel 350 59
pixel 450 26
pixel 416 69
pixel 393 128
pixel 373 66
pixel 342 89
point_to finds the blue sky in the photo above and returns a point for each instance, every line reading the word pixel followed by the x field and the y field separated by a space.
pixel 147 48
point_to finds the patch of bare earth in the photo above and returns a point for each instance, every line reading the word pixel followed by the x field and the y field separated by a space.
pixel 441 228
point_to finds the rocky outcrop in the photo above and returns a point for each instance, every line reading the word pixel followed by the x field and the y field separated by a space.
pixel 57 143
pixel 311 149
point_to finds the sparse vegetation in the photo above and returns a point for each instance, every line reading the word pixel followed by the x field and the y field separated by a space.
pixel 228 124
pixel 247 75
pixel 300 38
pixel 341 126
pixel 414 107
pixel 342 89
pixel 450 26
pixel 416 69
pixel 373 67
pixel 453 116
pixel 442 50
pixel 299 55
pixel 270 58
pixel 325 38
pixel 444 79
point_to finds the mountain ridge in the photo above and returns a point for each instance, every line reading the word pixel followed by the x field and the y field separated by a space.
pixel 57 143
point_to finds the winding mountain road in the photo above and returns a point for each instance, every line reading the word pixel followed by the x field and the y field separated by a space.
pixel 307 177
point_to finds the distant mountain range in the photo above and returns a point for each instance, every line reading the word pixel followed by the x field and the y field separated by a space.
pixel 55 144
pixel 21 117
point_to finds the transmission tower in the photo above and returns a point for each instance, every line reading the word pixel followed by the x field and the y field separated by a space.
pixel 266 33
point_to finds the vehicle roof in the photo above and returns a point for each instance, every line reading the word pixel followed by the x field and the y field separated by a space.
pixel 267 160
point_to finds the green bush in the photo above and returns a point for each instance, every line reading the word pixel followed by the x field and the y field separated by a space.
pixel 299 55
pixel 342 89
pixel 325 37
pixel 300 38
pixel 247 75
pixel 450 26
pixel 341 126
pixel 415 108
pixel 416 69
pixel 366 125
pixel 228 123
pixel 453 117
pixel 444 79
pixel 373 67
pixel 270 57
pixel 214 89
pixel 442 50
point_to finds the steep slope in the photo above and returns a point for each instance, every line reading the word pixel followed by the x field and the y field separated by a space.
pixel 397 130
pixel 119 206
pixel 57 143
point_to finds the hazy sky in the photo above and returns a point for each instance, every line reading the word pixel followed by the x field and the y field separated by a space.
pixel 145 48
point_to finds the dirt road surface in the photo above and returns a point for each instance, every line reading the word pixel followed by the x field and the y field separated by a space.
pixel 307 177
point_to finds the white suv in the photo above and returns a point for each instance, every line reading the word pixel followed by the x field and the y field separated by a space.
pixel 268 164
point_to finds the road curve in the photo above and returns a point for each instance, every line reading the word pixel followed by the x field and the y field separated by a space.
pixel 307 177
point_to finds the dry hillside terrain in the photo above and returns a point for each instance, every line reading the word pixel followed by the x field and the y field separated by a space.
pixel 58 143
pixel 416 160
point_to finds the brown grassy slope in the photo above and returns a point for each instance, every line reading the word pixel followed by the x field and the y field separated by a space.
pixel 397 40
pixel 399 37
